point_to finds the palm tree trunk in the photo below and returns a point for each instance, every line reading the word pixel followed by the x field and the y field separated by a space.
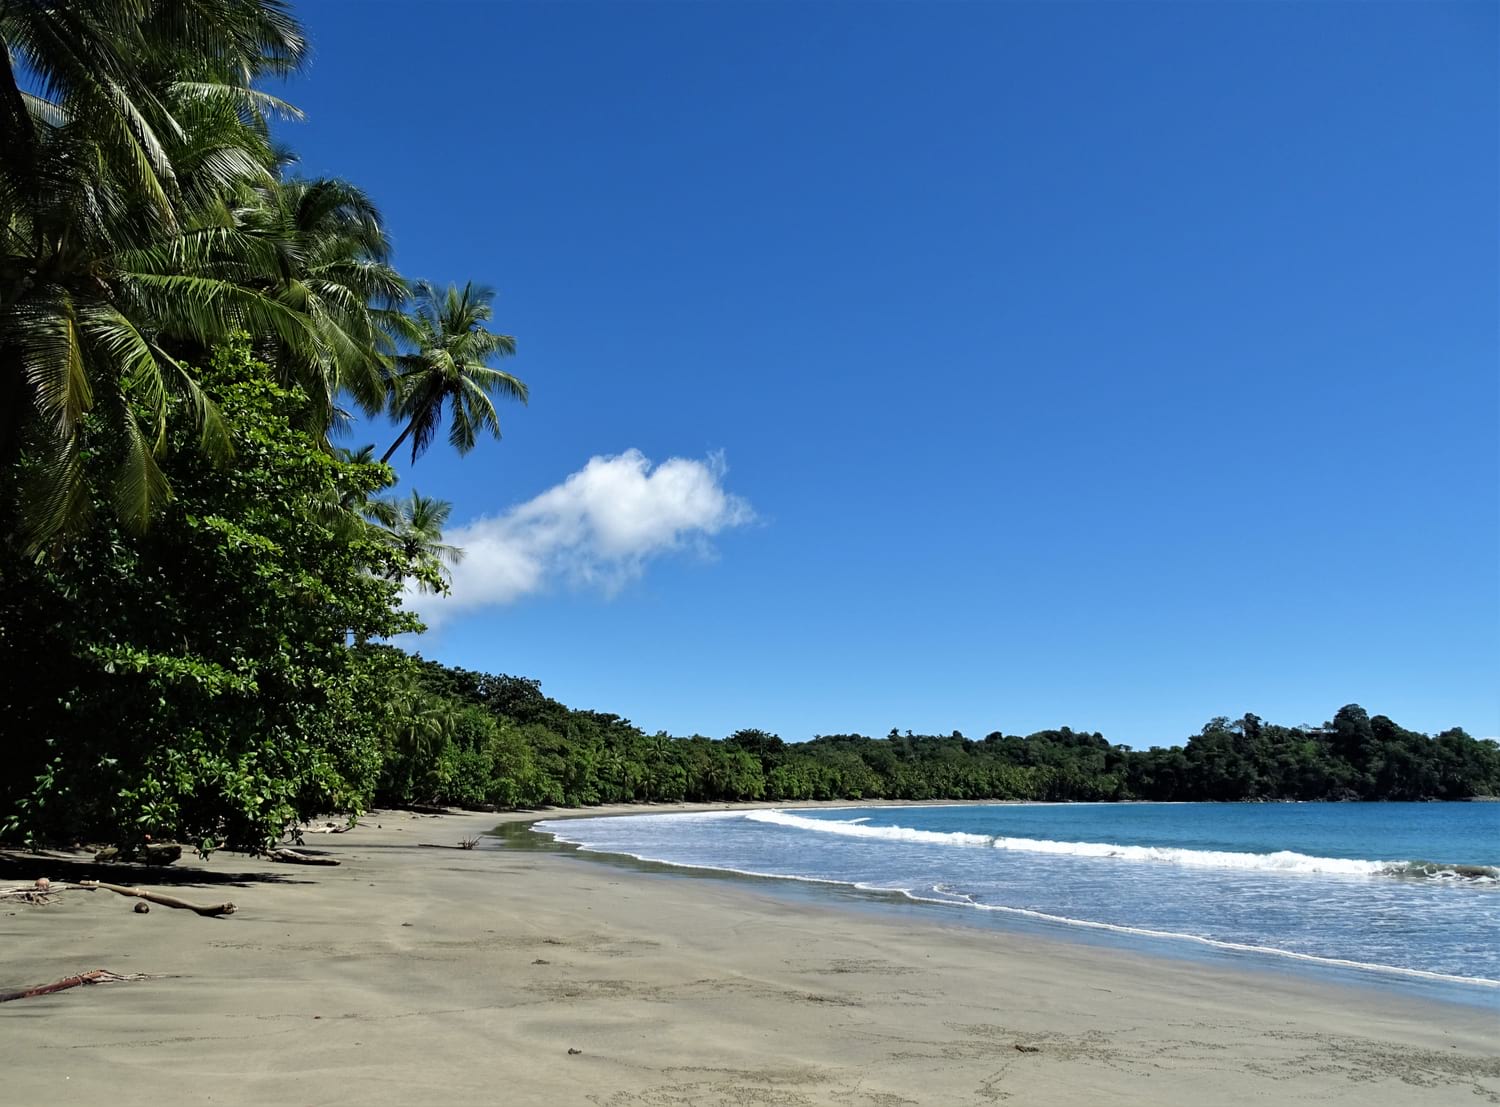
pixel 411 426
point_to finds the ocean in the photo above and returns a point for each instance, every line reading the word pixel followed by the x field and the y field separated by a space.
pixel 1406 891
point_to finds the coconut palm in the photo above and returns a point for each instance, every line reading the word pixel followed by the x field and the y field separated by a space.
pixel 449 347
pixel 658 749
pixel 117 218
pixel 95 66
pixel 414 526
pixel 99 301
pixel 421 727
pixel 331 264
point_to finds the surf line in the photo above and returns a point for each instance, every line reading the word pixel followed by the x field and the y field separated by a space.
pixel 1283 861
pixel 554 829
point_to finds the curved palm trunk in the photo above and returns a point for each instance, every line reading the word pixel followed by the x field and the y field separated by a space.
pixel 402 437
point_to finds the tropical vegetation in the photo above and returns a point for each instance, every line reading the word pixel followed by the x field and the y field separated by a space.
pixel 516 746
pixel 192 571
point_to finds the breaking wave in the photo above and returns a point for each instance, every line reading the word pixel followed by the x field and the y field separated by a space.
pixel 1284 861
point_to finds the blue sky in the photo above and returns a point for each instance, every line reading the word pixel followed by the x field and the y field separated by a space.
pixel 1109 365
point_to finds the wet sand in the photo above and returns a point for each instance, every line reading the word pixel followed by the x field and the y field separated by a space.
pixel 420 972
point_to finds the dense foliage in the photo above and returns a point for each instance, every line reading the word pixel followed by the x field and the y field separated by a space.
pixel 190 570
pixel 505 743
pixel 201 680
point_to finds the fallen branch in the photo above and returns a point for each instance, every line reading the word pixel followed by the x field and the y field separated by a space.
pixel 153 853
pixel 293 857
pixel 30 895
pixel 38 892
pixel 158 898
pixel 97 976
pixel 327 828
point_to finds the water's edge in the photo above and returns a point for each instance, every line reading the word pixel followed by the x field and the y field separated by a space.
pixel 1158 946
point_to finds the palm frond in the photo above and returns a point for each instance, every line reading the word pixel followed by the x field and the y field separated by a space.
pixel 43 331
pixel 499 382
pixel 213 433
pixel 44 111
pixel 207 310
pixel 139 486
pixel 246 98
pixel 55 497
pixel 131 360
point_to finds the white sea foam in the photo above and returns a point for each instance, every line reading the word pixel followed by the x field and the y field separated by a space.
pixel 1280 861
pixel 1216 943
pixel 953 898
pixel 857 828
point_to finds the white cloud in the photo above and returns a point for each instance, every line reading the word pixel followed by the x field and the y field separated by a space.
pixel 596 529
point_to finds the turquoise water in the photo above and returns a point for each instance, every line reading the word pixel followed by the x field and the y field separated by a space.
pixel 1406 890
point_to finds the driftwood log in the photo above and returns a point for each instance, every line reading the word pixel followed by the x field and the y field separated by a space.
pixel 95 976
pixel 295 857
pixel 39 892
pixel 159 898
pixel 154 853
pixel 327 828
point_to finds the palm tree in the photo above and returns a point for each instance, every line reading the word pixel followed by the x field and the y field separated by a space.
pixel 658 748
pixel 332 265
pixel 414 526
pixel 120 246
pixel 447 366
pixel 422 726
pixel 95 66
pixel 99 303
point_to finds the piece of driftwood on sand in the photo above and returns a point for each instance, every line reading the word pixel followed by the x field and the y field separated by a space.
pixel 297 857
pixel 94 976
pixel 327 828
pixel 39 892
pixel 160 899
pixel 152 853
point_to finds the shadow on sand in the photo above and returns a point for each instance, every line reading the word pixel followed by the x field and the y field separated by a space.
pixel 66 867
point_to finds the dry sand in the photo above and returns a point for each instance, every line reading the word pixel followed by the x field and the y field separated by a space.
pixel 440 976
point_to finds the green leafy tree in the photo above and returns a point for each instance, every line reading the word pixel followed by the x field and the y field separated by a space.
pixel 198 681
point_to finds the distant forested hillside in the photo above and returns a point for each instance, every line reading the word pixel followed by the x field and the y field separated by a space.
pixel 505 743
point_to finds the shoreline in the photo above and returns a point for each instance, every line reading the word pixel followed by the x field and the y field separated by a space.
pixel 471 974
pixel 1382 980
pixel 1427 985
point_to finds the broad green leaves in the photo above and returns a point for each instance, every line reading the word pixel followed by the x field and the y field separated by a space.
pixel 201 680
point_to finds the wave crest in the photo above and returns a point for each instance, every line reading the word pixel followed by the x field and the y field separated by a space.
pixel 1279 861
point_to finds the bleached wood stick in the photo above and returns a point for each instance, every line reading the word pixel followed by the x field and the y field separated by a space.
pixel 94 976
pixel 292 857
pixel 158 898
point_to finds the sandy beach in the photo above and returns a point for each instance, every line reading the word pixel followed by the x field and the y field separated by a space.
pixel 420 972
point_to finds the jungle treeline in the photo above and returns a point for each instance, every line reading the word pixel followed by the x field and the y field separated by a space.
pixel 499 741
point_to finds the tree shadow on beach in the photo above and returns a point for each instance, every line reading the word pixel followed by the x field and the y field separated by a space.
pixel 484 843
pixel 63 867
